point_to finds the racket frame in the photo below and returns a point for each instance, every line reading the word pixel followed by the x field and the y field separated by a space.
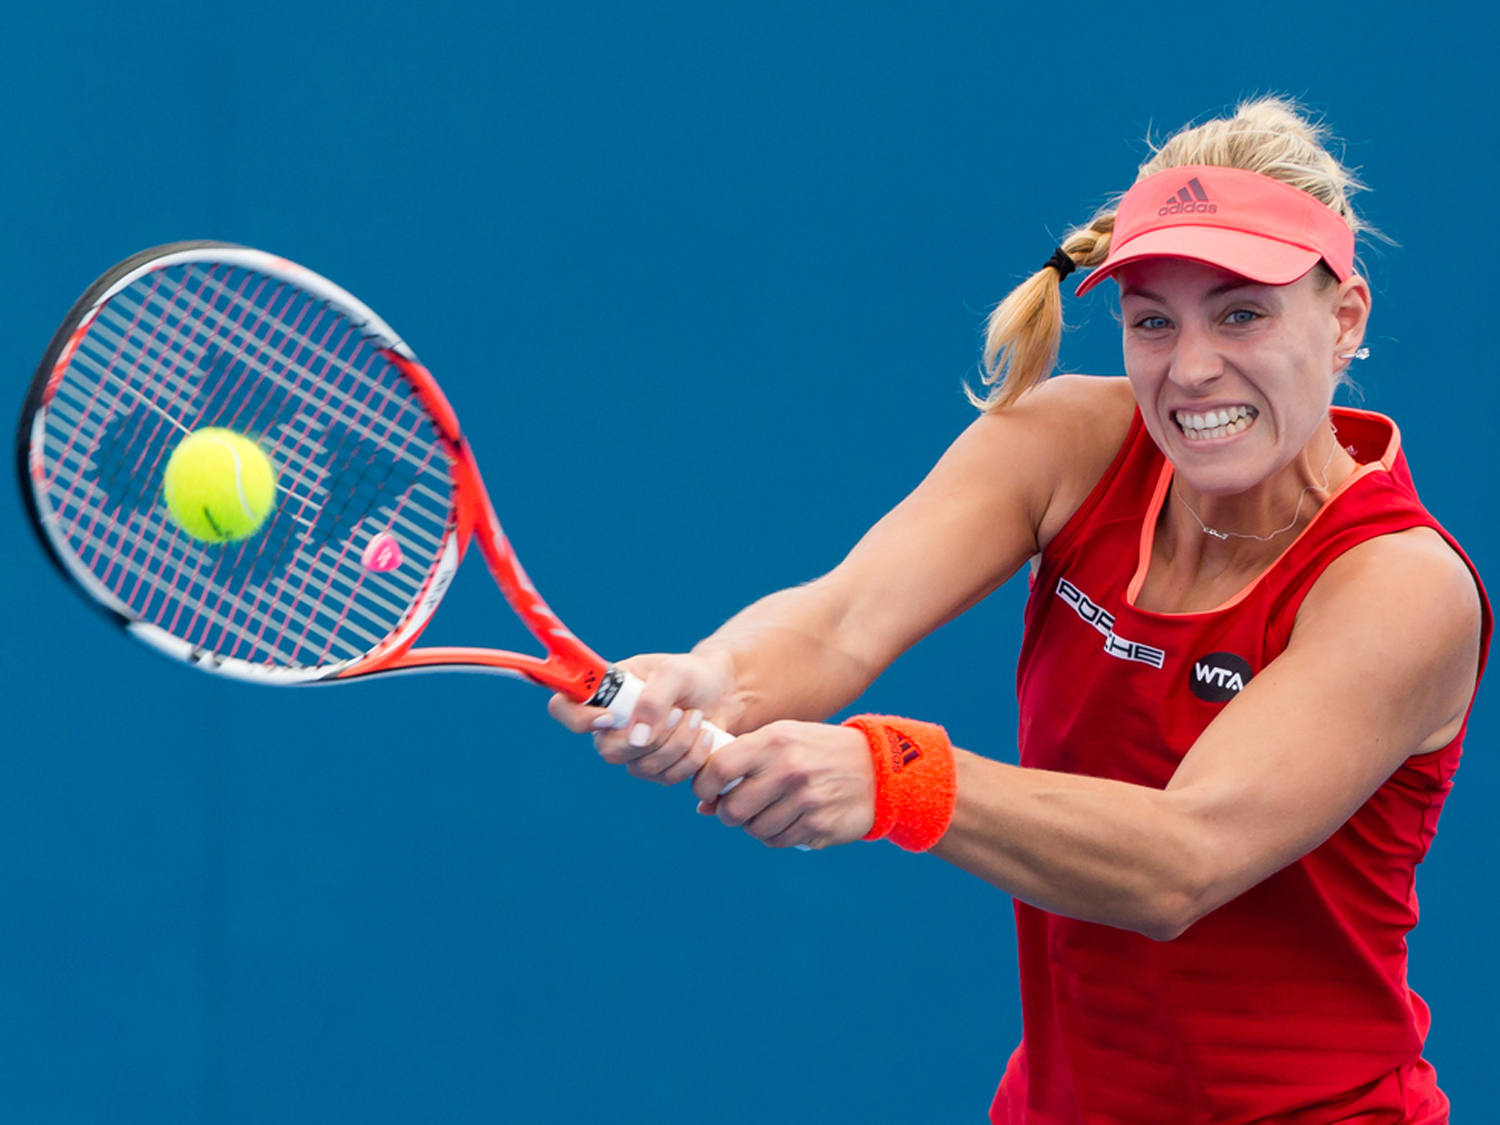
pixel 569 665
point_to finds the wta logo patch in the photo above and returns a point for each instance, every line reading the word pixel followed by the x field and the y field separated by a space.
pixel 1219 676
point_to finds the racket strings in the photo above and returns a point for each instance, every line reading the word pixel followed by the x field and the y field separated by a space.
pixel 176 623
pixel 139 572
pixel 356 452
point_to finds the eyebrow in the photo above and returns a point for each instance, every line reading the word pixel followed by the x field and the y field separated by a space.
pixel 1217 291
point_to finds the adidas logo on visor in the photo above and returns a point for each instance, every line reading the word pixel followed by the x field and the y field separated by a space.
pixel 1190 199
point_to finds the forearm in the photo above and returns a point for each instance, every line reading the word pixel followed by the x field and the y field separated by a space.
pixel 1085 847
pixel 787 657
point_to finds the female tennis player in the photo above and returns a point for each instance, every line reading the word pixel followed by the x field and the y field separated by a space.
pixel 1248 660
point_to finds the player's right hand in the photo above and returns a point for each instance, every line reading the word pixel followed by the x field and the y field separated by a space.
pixel 665 740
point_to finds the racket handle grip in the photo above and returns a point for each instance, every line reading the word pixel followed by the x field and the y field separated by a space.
pixel 623 704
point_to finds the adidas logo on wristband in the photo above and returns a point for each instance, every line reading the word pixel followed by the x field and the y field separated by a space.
pixel 915 779
pixel 903 750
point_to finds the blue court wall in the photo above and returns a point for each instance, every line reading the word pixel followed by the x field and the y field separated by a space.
pixel 703 282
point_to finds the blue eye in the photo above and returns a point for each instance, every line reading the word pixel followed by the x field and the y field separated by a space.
pixel 1242 316
pixel 1152 322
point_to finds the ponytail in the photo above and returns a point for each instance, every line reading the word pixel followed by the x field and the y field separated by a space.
pixel 1023 333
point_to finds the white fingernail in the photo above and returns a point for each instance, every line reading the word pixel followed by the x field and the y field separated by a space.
pixel 640 734
pixel 695 720
pixel 674 718
pixel 604 722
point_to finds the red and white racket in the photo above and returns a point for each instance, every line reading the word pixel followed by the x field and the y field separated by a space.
pixel 378 494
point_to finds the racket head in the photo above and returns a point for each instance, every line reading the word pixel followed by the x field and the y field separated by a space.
pixel 368 527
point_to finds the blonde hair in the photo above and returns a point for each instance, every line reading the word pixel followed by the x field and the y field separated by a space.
pixel 1269 135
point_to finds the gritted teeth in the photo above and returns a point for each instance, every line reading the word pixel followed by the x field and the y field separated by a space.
pixel 1214 423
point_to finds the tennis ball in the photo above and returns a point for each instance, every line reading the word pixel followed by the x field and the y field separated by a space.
pixel 219 485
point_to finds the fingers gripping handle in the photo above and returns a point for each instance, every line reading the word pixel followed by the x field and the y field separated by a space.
pixel 619 693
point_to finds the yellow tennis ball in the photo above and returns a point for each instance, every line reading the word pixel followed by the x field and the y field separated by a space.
pixel 219 485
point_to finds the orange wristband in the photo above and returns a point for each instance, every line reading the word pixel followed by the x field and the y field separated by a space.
pixel 915 790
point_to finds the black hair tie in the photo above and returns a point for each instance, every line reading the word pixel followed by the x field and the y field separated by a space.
pixel 1062 262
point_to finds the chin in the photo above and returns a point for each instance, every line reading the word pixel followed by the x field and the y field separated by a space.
pixel 1210 483
pixel 1223 471
pixel 1223 467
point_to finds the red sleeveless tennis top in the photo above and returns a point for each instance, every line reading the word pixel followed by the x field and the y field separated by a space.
pixel 1290 1003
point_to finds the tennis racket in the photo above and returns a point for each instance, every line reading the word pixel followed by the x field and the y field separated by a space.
pixel 378 493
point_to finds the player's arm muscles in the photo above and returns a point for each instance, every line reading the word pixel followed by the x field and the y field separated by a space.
pixel 999 493
pixel 1381 665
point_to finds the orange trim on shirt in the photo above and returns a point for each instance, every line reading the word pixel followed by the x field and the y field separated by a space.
pixel 1384 463
pixel 1148 531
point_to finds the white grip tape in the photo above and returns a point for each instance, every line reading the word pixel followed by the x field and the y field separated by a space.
pixel 623 705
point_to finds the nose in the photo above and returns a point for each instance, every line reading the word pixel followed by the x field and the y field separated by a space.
pixel 1196 361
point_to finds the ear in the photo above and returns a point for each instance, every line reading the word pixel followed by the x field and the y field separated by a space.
pixel 1351 311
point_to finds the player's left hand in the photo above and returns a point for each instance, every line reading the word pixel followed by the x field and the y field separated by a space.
pixel 804 783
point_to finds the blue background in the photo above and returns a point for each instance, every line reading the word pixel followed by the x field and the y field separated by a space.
pixel 703 282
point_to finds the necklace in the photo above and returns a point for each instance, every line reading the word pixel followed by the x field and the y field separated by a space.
pixel 1215 533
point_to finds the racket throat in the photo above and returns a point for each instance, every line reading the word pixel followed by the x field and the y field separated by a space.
pixel 616 683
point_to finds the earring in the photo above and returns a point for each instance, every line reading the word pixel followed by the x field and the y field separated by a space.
pixel 1357 353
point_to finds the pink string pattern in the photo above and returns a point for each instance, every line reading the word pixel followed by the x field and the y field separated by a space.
pixel 357 456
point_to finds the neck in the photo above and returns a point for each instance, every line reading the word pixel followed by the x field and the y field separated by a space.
pixel 1248 529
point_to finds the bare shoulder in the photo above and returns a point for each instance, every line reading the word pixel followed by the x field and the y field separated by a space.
pixel 1042 456
pixel 1415 568
pixel 1069 419
pixel 1081 422
pixel 1403 613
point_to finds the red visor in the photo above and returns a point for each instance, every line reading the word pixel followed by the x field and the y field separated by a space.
pixel 1240 221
